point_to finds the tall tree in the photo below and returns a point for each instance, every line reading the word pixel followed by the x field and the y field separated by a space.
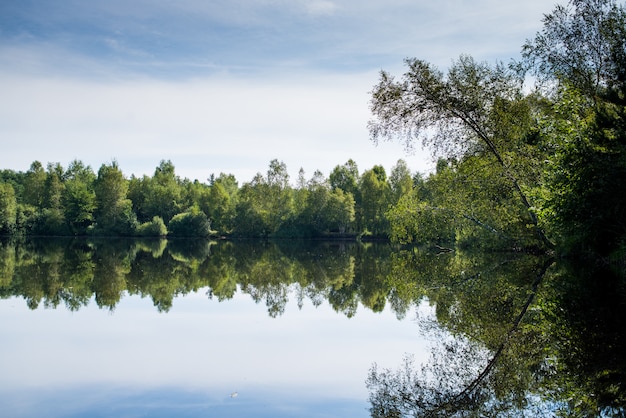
pixel 79 198
pixel 52 220
pixel 114 212
pixel 400 180
pixel 582 51
pixel 375 200
pixel 345 177
pixel 475 109
pixel 582 44
pixel 340 210
pixel 8 209
pixel 34 185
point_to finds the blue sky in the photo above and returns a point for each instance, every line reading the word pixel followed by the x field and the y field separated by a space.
pixel 226 85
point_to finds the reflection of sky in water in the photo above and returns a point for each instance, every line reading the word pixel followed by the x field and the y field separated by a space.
pixel 309 362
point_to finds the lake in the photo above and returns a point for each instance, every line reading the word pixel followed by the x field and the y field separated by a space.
pixel 189 328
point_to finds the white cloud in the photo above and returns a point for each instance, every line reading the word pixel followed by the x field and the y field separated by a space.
pixel 321 7
pixel 204 125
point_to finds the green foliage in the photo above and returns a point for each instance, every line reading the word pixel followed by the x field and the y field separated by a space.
pixel 340 208
pixel 114 212
pixel 79 202
pixel 8 209
pixel 34 184
pixel 27 217
pixel 375 200
pixel 160 195
pixel 193 223
pixel 519 165
pixel 415 221
pixel 581 51
pixel 345 177
pixel 400 181
pixel 79 197
pixel 73 272
pixel 582 45
pixel 155 228
pixel 475 112
pixel 500 137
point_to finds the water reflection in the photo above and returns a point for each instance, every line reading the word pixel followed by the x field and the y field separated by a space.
pixel 531 337
pixel 53 272
pixel 509 334
pixel 282 324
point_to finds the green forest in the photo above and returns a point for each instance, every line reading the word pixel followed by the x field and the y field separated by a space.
pixel 530 157
pixel 62 201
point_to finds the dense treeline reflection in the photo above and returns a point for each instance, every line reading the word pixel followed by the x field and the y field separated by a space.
pixel 513 334
pixel 53 272
pixel 516 335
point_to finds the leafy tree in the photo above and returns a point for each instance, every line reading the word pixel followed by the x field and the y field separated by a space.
pixel 222 201
pixel 277 174
pixel 415 221
pixel 346 178
pixel 79 198
pixel 315 215
pixel 252 212
pixel 581 51
pixel 400 180
pixel 15 179
pixel 582 45
pixel 34 185
pixel 114 214
pixel 265 204
pixel 301 193
pixel 475 110
pixel 340 210
pixel 8 209
pixel 52 218
pixel 279 200
pixel 165 194
pixel 223 198
pixel 375 195
pixel 160 195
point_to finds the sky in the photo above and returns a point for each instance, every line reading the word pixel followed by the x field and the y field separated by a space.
pixel 110 364
pixel 226 85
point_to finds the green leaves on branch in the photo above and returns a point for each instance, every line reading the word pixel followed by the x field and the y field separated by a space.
pixel 561 155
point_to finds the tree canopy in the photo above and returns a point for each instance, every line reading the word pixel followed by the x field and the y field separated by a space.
pixel 555 151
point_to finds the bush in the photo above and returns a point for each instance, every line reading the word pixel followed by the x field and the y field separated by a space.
pixel 193 223
pixel 154 228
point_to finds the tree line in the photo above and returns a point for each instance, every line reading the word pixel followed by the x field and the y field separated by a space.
pixel 75 200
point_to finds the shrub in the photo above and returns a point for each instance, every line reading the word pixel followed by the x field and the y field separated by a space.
pixel 193 223
pixel 154 228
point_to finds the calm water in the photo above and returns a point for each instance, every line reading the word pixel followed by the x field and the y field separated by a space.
pixel 192 329
pixel 127 328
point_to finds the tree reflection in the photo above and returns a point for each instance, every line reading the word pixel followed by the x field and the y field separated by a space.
pixel 513 334
pixel 75 271
pixel 516 336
